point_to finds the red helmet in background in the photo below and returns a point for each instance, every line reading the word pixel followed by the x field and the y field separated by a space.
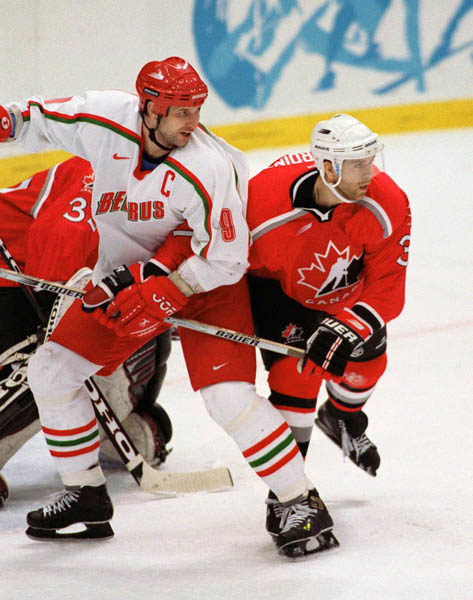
pixel 170 82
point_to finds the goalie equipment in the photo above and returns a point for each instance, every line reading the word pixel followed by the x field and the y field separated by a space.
pixel 90 506
pixel 19 420
pixel 3 491
pixel 147 437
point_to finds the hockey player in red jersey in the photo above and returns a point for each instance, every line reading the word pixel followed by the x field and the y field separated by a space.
pixel 330 241
pixel 156 167
pixel 47 228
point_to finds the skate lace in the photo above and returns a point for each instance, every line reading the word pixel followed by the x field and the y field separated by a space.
pixel 295 514
pixel 64 500
pixel 362 443
pixel 277 507
pixel 359 444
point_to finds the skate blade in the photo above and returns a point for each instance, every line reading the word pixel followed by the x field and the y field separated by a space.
pixel 92 531
pixel 302 548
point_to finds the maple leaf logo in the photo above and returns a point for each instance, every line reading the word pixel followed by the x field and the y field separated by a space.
pixel 88 182
pixel 341 268
pixel 292 333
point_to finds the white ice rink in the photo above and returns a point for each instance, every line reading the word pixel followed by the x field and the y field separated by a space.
pixel 406 534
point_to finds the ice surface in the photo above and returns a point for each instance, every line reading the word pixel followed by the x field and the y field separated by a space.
pixel 406 534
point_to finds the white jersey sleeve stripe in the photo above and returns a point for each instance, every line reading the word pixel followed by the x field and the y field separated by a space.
pixel 44 193
pixel 275 222
pixel 379 212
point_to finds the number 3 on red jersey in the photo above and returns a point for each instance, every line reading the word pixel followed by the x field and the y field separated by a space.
pixel 404 242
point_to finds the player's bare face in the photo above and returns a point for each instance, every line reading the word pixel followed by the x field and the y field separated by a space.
pixel 356 177
pixel 175 130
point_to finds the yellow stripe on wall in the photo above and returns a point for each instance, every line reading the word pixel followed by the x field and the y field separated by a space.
pixel 17 168
pixel 287 131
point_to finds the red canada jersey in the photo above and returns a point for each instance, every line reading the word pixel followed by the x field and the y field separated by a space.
pixel 329 259
pixel 46 222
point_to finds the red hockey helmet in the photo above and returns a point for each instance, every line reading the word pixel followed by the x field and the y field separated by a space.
pixel 170 82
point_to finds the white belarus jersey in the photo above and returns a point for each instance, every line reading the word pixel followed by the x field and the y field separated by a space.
pixel 205 183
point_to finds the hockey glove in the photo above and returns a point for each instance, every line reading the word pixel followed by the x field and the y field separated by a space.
pixel 7 125
pixel 332 344
pixel 105 291
pixel 140 309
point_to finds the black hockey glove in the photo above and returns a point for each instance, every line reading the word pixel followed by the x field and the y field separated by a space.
pixel 332 343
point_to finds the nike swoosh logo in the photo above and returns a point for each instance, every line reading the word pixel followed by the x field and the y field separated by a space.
pixel 217 367
pixel 304 229
pixel 116 157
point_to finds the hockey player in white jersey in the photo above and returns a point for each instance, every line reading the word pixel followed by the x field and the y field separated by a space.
pixel 156 167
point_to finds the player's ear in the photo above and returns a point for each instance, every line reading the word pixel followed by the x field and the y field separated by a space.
pixel 150 110
pixel 329 172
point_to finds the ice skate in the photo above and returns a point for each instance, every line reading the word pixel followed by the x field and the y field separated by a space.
pixel 350 436
pixel 89 506
pixel 306 527
pixel 274 512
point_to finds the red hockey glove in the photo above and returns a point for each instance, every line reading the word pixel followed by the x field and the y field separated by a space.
pixel 332 344
pixel 105 291
pixel 140 309
pixel 7 124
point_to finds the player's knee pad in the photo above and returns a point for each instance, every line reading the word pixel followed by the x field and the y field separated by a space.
pixel 364 374
pixel 55 373
pixel 230 403
pixel 285 379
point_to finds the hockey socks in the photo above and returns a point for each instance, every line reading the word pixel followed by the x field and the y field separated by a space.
pixel 263 436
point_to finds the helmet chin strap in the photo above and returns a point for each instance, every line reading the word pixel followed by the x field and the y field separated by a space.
pixel 152 135
pixel 333 186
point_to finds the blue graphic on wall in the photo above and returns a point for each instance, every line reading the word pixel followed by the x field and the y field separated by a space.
pixel 243 58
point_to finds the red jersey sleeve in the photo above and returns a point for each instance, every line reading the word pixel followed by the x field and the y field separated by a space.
pixel 385 233
pixel 176 249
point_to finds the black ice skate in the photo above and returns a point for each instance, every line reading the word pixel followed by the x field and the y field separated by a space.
pixel 90 506
pixel 349 435
pixel 306 527
pixel 274 512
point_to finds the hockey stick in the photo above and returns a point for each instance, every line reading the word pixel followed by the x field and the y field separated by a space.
pixel 148 478
pixel 228 334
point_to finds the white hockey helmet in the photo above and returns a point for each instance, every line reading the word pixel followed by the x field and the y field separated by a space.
pixel 340 138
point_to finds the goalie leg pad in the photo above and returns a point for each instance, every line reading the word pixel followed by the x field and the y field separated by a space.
pixel 145 433
pixel 115 388
pixel 4 493
pixel 19 419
